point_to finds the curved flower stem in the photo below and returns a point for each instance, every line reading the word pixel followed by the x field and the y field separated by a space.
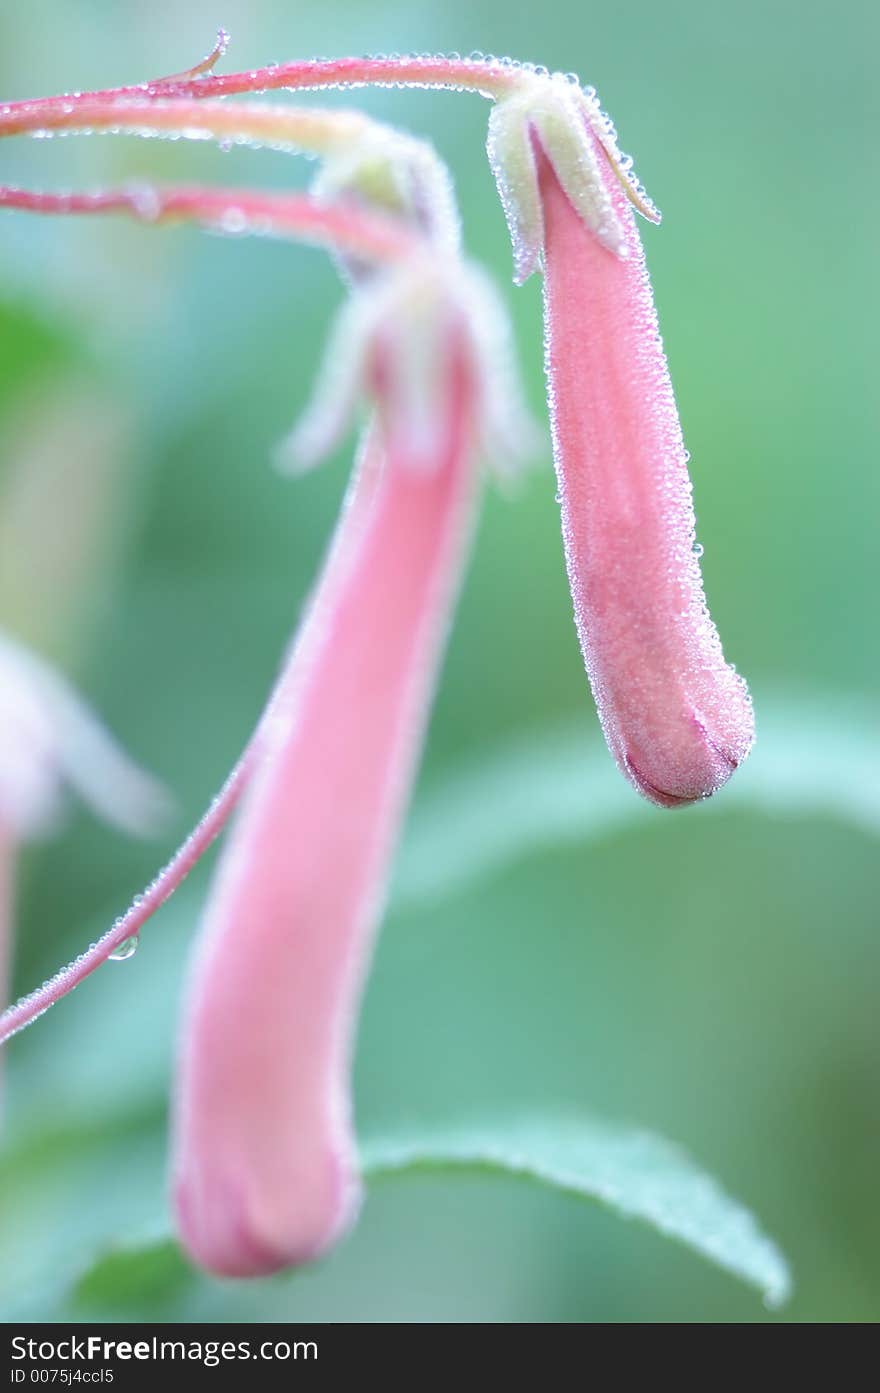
pixel 348 230
pixel 489 79
pixel 144 906
pixel 307 131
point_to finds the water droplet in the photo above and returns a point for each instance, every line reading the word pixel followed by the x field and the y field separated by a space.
pixel 698 549
pixel 145 202
pixel 233 222
pixel 124 950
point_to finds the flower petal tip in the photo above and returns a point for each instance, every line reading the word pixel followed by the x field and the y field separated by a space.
pixel 227 1231
pixel 694 765
pixel 526 261
pixel 393 342
pixel 49 738
pixel 301 451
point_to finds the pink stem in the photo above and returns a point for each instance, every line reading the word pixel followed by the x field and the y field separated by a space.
pixel 265 1171
pixel 26 1010
pixel 345 229
pixel 490 79
pixel 309 130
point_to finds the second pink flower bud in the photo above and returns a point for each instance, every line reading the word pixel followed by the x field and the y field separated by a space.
pixel 676 716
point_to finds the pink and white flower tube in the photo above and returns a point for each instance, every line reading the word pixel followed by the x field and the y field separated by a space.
pixel 264 1163
pixel 677 717
pixel 263 1159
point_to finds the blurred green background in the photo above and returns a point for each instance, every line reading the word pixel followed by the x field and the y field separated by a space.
pixel 714 974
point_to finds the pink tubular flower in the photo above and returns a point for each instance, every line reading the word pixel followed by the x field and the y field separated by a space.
pixel 264 1165
pixel 265 1170
pixel 350 232
pixel 677 718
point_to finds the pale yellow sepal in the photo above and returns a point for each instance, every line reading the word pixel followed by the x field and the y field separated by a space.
pixel 389 345
pixel 397 174
pixel 559 117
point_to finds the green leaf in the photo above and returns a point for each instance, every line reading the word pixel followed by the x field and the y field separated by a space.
pixel 144 1278
pixel 635 1173
pixel 67 1193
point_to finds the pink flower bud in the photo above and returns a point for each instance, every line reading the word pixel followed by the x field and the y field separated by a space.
pixel 676 716
pixel 265 1171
